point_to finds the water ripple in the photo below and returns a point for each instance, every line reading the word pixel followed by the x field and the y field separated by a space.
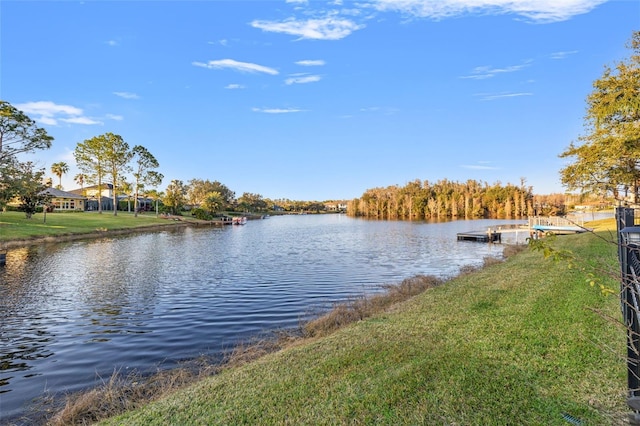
pixel 72 314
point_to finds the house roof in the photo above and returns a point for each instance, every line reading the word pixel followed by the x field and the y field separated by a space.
pixel 91 188
pixel 58 193
pixel 104 186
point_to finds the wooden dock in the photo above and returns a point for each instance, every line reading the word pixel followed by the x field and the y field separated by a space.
pixel 481 237
pixel 536 227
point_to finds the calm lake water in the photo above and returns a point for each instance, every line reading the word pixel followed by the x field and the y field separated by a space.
pixel 71 314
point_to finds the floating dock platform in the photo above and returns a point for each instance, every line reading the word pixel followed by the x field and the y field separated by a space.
pixel 536 227
pixel 481 237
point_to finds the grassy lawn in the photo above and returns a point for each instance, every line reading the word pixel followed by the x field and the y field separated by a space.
pixel 515 343
pixel 14 226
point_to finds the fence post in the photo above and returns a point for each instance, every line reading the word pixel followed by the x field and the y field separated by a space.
pixel 628 250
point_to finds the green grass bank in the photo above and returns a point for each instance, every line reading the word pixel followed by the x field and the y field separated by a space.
pixel 16 230
pixel 517 342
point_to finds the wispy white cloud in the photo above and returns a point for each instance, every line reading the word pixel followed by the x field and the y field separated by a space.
pixel 236 65
pixel 327 28
pixel 494 96
pixel 115 117
pixel 235 86
pixel 277 110
pixel 47 108
pixel 479 167
pixel 222 42
pixel 127 95
pixel 562 55
pixel 80 120
pixel 483 72
pixel 311 63
pixel 540 11
pixel 111 43
pixel 382 110
pixel 302 79
pixel 47 120
pixel 50 113
pixel 297 1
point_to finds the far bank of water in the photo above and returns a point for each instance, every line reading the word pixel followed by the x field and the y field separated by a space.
pixel 71 314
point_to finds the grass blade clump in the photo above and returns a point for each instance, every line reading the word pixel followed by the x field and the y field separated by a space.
pixel 359 308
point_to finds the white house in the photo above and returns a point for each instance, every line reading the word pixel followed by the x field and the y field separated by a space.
pixel 65 201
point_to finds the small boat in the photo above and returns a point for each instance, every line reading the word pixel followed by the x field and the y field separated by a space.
pixel 568 229
pixel 240 220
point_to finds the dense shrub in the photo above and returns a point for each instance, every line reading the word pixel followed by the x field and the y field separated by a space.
pixel 201 214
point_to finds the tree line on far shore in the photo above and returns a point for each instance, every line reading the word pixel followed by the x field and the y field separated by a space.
pixel 443 199
pixel 206 198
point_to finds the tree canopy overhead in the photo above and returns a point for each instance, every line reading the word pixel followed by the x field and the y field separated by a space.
pixel 19 133
pixel 607 159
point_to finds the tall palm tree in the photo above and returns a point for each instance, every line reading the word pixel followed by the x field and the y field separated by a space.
pixel 80 179
pixel 59 169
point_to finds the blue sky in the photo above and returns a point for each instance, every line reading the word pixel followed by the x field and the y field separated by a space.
pixel 316 100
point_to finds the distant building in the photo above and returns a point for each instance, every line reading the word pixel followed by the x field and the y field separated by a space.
pixel 93 193
pixel 335 206
pixel 65 201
